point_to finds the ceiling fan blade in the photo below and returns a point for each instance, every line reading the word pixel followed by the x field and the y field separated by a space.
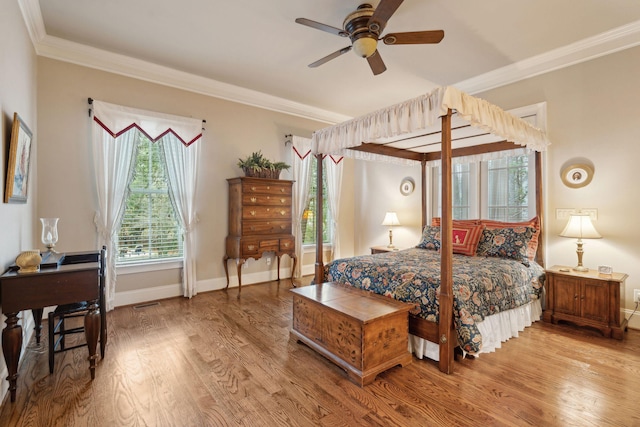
pixel 383 12
pixel 322 27
pixel 330 57
pixel 376 63
pixel 414 37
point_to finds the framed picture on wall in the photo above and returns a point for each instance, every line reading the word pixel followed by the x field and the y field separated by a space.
pixel 19 160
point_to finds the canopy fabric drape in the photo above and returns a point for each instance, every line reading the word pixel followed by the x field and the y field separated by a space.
pixel 333 167
pixel 301 170
pixel 113 136
pixel 182 176
pixel 417 120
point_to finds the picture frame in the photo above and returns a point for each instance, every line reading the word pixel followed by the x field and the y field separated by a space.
pixel 576 176
pixel 19 162
pixel 407 186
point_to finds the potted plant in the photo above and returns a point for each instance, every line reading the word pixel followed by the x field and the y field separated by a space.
pixel 256 165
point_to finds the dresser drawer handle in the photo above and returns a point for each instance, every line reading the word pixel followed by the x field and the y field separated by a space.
pixel 268 188
pixel 282 227
pixel 282 190
pixel 254 199
pixel 253 188
pixel 253 213
pixel 251 247
pixel 268 209
pixel 282 201
pixel 268 198
pixel 252 228
pixel 286 245
pixel 283 213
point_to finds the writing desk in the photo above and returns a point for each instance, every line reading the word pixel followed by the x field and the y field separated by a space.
pixel 76 278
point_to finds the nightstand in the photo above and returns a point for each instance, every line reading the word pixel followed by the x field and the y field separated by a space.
pixel 585 299
pixel 381 249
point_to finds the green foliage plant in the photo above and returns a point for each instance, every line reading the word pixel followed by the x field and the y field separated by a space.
pixel 256 165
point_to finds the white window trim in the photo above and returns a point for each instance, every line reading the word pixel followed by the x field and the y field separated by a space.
pixel 149 265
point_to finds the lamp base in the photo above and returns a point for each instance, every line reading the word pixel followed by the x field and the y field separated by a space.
pixel 581 269
pixel 391 246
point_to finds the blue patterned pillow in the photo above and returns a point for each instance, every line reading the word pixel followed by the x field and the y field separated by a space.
pixel 506 243
pixel 430 238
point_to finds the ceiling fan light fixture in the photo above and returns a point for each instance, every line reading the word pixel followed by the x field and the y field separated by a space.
pixel 365 46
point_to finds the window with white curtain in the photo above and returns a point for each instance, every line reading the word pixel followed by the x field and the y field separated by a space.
pixel 308 216
pixel 495 189
pixel 149 229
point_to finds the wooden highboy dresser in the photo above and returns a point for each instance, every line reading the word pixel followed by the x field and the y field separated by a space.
pixel 259 221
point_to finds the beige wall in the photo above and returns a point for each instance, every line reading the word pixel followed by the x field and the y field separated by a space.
pixel 66 188
pixel 592 111
pixel 17 94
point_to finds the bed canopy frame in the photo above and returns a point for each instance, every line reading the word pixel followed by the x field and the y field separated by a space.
pixel 439 125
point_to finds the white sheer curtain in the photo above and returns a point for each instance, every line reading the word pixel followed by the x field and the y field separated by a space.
pixel 113 160
pixel 182 174
pixel 113 136
pixel 333 168
pixel 301 171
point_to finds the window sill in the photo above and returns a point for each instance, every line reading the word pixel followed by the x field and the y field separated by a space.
pixel 147 266
pixel 307 249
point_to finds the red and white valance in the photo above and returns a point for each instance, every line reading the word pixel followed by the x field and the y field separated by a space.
pixel 117 119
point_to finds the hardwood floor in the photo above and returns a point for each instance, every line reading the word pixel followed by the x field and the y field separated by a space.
pixel 219 360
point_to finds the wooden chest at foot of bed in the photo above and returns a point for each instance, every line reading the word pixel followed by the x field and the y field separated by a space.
pixel 361 332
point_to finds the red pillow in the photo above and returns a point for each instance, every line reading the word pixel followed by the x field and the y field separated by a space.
pixel 533 222
pixel 466 238
pixel 435 222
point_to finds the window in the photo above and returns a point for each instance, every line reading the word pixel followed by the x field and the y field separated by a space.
pixel 149 229
pixel 508 189
pixel 308 217
pixel 495 189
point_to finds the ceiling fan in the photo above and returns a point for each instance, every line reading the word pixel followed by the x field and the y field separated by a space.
pixel 364 26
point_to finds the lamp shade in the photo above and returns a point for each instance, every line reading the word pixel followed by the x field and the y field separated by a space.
pixel 580 227
pixel 390 218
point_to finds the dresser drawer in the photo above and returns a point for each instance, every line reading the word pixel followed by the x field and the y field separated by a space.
pixel 267 188
pixel 286 244
pixel 266 212
pixel 266 199
pixel 251 228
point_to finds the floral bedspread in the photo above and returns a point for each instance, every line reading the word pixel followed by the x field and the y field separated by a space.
pixel 482 286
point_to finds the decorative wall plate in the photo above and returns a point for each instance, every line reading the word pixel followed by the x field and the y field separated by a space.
pixel 576 176
pixel 407 186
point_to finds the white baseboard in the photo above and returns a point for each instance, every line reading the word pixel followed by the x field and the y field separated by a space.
pixel 634 322
pixel 138 296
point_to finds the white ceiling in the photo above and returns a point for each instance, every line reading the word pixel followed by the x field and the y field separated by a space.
pixel 253 52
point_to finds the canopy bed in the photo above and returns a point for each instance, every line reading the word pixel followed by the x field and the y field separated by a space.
pixel 439 125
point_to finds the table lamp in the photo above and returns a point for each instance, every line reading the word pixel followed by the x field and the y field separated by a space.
pixel 390 219
pixel 580 227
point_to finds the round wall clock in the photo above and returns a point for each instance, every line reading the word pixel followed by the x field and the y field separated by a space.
pixel 407 186
pixel 576 176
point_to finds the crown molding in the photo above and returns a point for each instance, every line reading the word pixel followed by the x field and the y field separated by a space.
pixel 612 41
pixel 67 51
pixel 624 37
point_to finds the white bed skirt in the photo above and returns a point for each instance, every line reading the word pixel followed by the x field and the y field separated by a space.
pixel 495 330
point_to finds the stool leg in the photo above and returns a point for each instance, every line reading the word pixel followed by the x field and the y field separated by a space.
pixel 51 342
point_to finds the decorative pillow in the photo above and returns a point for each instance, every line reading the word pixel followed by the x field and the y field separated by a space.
pixel 506 243
pixel 430 238
pixel 436 222
pixel 465 239
pixel 534 222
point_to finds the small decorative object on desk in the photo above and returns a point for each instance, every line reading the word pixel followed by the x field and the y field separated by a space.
pixel 29 261
pixel 605 269
pixel 49 232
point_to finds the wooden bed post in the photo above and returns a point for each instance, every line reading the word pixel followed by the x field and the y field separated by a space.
pixel 539 209
pixel 423 164
pixel 445 300
pixel 319 267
